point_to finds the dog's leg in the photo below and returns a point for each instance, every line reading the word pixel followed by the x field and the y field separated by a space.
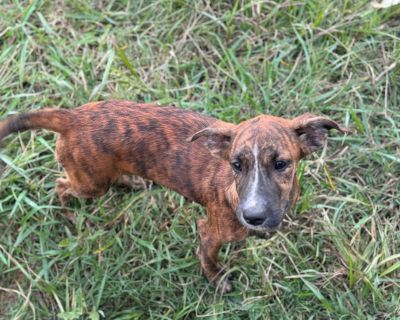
pixel 214 233
pixel 133 182
pixel 66 189
pixel 63 188
pixel 87 176
pixel 208 251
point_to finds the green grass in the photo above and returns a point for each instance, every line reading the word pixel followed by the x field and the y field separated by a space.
pixel 131 255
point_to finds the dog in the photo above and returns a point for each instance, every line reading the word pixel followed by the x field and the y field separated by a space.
pixel 244 174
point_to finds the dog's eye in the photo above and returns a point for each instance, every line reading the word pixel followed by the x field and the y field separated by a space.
pixel 280 165
pixel 237 166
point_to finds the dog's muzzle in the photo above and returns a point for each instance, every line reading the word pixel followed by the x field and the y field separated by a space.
pixel 260 220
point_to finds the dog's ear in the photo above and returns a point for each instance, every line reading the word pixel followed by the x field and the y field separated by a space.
pixel 313 130
pixel 218 140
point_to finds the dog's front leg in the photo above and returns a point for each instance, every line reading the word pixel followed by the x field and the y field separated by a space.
pixel 220 228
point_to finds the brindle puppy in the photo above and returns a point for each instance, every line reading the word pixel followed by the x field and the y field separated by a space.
pixel 248 184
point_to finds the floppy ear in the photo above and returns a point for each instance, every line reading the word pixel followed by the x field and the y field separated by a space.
pixel 313 130
pixel 218 141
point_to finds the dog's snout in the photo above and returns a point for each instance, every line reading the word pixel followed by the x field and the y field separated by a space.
pixel 254 214
pixel 273 221
pixel 254 221
pixel 257 215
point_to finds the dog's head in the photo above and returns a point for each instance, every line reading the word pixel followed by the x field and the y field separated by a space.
pixel 263 153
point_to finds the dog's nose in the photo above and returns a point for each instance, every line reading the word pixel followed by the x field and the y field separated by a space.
pixel 273 221
pixel 254 215
pixel 254 221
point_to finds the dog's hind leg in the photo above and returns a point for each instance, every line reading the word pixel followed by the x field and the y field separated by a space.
pixel 67 188
pixel 80 185
pixel 87 176
pixel 63 190
pixel 133 182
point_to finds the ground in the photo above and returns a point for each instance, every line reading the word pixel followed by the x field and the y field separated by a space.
pixel 132 254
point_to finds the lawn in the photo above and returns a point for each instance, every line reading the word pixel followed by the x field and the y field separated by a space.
pixel 132 254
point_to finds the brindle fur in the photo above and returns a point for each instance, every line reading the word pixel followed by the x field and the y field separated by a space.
pixel 100 142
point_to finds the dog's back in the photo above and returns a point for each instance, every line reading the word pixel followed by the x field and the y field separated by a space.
pixel 99 141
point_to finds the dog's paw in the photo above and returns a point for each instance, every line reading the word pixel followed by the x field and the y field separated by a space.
pixel 134 182
pixel 224 286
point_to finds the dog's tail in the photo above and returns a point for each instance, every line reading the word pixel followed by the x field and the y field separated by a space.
pixel 58 120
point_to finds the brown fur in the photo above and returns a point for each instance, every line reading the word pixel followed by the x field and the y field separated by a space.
pixel 101 141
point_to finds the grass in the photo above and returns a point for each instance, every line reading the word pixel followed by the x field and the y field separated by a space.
pixel 131 255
